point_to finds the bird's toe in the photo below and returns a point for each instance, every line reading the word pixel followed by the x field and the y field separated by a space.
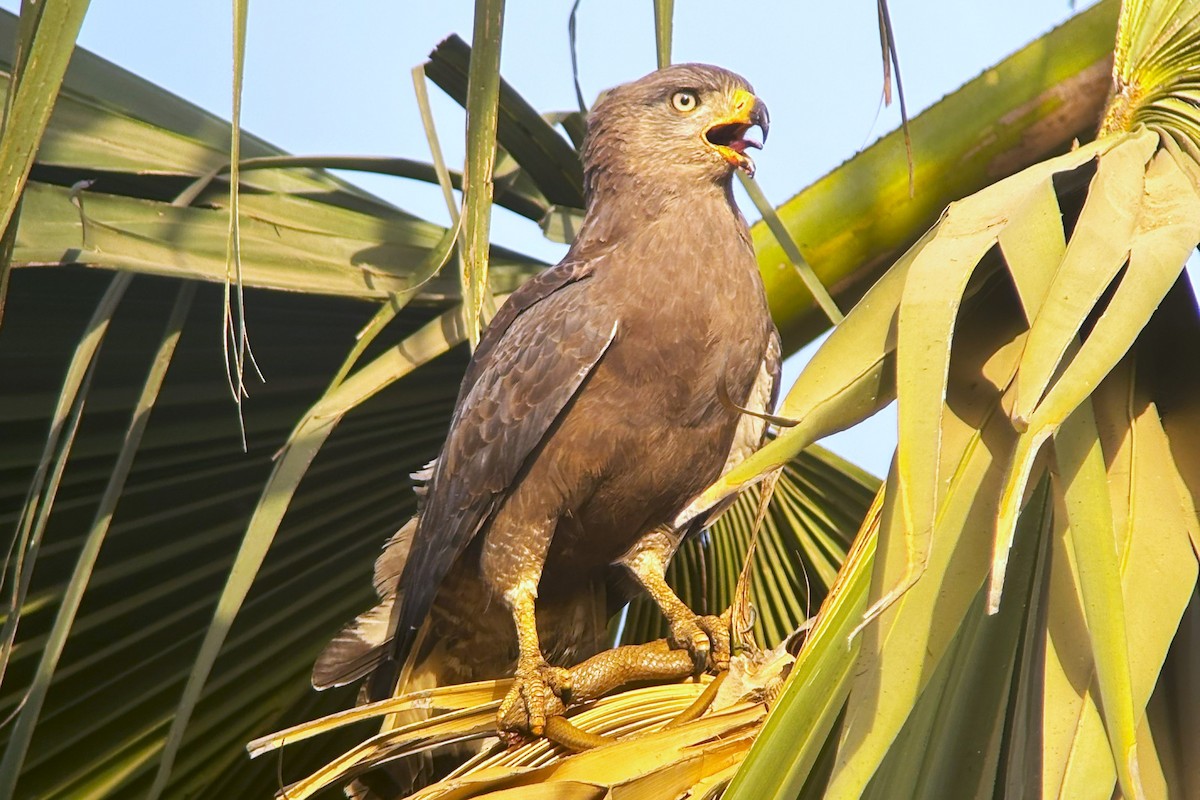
pixel 718 633
pixel 538 691
pixel 705 638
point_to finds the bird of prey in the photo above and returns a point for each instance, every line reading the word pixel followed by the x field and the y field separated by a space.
pixel 606 393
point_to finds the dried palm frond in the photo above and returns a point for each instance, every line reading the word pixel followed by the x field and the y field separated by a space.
pixel 653 741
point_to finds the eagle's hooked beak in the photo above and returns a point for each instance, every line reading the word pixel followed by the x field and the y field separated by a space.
pixel 727 135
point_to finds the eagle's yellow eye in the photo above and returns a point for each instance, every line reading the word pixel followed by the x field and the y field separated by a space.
pixel 684 101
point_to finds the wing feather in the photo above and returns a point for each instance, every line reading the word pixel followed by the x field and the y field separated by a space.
pixel 751 430
pixel 764 393
pixel 525 371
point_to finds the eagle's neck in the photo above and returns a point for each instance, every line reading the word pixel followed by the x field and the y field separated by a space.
pixel 623 207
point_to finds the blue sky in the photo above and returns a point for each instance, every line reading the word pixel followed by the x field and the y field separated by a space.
pixel 333 78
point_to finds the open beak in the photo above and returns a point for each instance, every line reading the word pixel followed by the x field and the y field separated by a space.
pixel 728 135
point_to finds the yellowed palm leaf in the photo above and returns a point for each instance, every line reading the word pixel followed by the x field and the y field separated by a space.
pixel 999 325
pixel 1157 567
pixel 647 758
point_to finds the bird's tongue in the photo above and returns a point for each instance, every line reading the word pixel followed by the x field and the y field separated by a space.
pixel 734 137
pixel 741 145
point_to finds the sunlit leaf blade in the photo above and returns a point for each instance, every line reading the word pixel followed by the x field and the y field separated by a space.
pixel 531 206
pixel 1165 235
pixel 929 307
pixel 1085 500
pixel 792 739
pixel 993 126
pixel 47 40
pixel 291 244
pixel 936 281
pixel 1069 298
pixel 664 15
pixel 1157 575
pixel 1098 248
pixel 1033 243
pixel 8 239
pixel 901 651
pixel 482 105
pixel 549 160
pixel 444 178
pixel 951 743
pixel 528 204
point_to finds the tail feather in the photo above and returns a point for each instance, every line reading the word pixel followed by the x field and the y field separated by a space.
pixel 365 648
pixel 390 562
pixel 357 649
pixel 364 644
pixel 401 778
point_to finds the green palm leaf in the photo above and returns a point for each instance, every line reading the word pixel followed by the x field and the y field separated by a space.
pixel 1024 355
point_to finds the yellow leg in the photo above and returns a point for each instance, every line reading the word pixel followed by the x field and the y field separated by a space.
pixel 705 638
pixel 606 671
pixel 524 707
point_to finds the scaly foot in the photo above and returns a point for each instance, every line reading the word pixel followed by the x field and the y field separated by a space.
pixel 523 710
pixel 705 638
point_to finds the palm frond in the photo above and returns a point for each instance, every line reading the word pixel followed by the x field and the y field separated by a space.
pixel 1021 336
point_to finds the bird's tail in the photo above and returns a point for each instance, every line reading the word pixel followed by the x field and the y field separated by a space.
pixel 364 648
pixel 365 644
pixel 403 777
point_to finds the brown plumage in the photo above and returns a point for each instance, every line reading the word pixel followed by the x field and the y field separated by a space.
pixel 591 412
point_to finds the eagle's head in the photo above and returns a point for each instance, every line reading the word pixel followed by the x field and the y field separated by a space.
pixel 688 120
